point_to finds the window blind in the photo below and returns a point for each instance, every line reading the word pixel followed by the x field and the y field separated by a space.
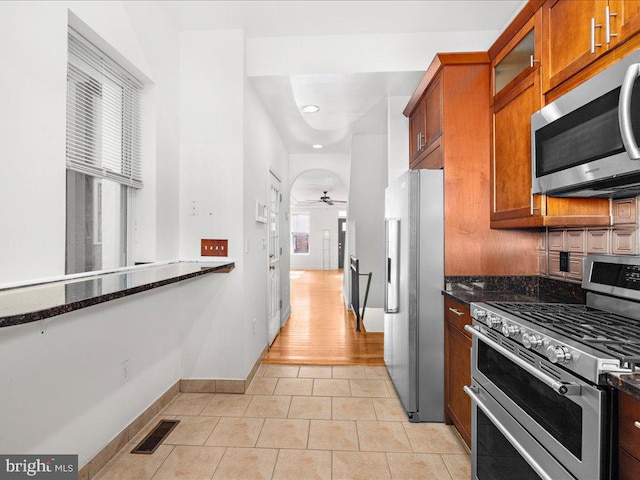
pixel 300 223
pixel 103 115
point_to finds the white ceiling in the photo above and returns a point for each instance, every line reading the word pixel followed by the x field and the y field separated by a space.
pixel 309 17
pixel 311 185
pixel 351 103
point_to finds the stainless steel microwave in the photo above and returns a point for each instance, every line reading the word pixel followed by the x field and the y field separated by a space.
pixel 585 144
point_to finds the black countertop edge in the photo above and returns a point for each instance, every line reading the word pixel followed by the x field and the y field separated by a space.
pixel 628 383
pixel 41 314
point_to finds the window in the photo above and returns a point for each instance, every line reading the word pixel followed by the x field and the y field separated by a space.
pixel 102 157
pixel 300 229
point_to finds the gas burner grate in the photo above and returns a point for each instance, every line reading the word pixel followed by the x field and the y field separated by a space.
pixel 610 332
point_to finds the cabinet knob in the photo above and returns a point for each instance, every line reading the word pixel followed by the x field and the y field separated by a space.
pixel 636 424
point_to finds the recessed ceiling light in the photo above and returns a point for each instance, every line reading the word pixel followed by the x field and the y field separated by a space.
pixel 317 145
pixel 310 109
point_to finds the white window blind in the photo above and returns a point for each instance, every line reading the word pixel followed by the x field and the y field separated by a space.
pixel 300 223
pixel 103 115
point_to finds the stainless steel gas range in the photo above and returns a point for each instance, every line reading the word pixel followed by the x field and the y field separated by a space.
pixel 540 404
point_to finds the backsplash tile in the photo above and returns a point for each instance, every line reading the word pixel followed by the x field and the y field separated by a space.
pixel 619 239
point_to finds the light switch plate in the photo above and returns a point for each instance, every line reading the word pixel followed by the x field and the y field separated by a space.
pixel 214 248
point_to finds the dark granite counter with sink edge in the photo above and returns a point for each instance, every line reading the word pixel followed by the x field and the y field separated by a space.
pixel 31 303
pixel 533 288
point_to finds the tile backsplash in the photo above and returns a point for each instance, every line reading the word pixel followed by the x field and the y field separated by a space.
pixel 621 238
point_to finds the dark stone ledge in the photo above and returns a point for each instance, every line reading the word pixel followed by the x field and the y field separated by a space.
pixel 27 304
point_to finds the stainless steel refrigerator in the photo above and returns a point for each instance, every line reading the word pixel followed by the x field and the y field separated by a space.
pixel 413 319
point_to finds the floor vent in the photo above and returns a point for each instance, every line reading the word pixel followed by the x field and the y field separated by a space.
pixel 155 437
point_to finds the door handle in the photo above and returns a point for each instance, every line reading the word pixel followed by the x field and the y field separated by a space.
pixel 624 112
pixel 594 25
pixel 559 387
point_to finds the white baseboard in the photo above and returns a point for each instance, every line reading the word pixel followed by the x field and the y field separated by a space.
pixel 284 315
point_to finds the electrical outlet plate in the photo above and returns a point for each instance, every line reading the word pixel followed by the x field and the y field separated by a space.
pixel 214 248
pixel 564 261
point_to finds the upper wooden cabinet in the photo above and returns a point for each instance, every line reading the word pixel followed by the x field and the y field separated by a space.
pixel 426 124
pixel 516 87
pixel 577 33
pixel 416 132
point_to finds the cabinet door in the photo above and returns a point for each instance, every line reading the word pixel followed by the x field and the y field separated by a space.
pixel 459 374
pixel 624 20
pixel 416 132
pixel 511 162
pixel 575 37
pixel 457 367
pixel 434 110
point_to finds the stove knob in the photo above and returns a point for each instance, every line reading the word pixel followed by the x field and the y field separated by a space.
pixel 480 315
pixel 531 340
pixel 558 354
pixel 493 320
pixel 510 330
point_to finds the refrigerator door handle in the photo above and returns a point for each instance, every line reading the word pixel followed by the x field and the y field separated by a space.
pixel 393 250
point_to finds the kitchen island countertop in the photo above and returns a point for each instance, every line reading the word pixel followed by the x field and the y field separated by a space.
pixel 30 303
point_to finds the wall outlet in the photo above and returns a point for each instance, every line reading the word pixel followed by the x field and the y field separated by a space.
pixel 564 261
pixel 214 248
pixel 125 371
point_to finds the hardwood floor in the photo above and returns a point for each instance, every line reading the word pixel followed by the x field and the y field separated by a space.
pixel 320 330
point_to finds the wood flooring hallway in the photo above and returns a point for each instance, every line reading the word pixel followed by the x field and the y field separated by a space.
pixel 320 330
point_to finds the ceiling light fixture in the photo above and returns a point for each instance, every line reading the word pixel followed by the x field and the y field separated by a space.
pixel 310 109
pixel 317 145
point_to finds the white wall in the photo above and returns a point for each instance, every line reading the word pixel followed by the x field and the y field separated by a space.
pixel 321 218
pixel 398 135
pixel 366 208
pixel 62 392
pixel 263 151
pixel 228 145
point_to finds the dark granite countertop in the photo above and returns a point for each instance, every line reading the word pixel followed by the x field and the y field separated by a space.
pixel 465 290
pixel 626 382
pixel 36 302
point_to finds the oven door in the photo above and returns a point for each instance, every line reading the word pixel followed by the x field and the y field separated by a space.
pixel 502 448
pixel 566 415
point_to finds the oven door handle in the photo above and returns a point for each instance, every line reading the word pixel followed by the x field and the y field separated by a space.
pixel 624 112
pixel 559 387
pixel 473 393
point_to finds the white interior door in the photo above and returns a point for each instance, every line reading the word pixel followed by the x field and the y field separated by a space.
pixel 273 285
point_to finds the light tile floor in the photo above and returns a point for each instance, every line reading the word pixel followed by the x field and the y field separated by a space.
pixel 297 423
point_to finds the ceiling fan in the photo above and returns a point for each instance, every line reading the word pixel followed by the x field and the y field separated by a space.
pixel 325 198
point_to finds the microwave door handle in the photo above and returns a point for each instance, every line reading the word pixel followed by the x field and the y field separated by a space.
pixel 559 387
pixel 472 392
pixel 624 112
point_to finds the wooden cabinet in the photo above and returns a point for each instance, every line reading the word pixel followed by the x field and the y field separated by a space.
pixel 457 366
pixel 628 437
pixel 425 127
pixel 416 133
pixel 454 95
pixel 512 205
pixel 433 109
pixel 578 33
